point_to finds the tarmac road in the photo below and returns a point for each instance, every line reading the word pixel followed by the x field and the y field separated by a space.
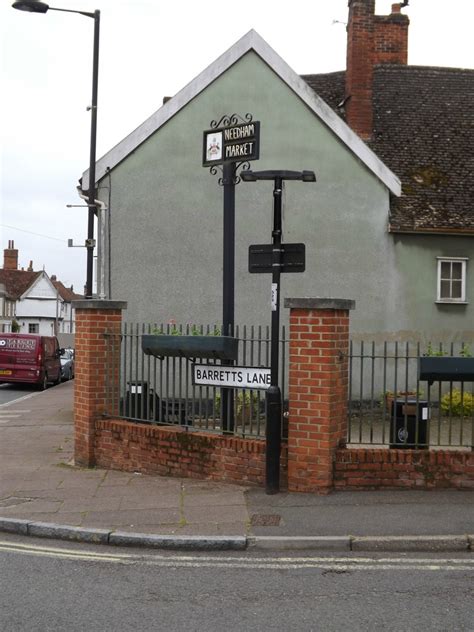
pixel 56 586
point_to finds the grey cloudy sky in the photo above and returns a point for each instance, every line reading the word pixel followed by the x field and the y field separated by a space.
pixel 149 49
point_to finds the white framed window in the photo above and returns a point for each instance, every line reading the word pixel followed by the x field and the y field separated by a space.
pixel 33 328
pixel 451 279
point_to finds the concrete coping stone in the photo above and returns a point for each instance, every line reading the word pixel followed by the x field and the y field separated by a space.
pixel 319 303
pixel 99 304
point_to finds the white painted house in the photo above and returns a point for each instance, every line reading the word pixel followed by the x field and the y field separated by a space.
pixel 33 302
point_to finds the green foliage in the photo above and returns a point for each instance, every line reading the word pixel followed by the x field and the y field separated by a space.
pixel 190 330
pixel 464 353
pixel 456 405
pixel 242 400
pixel 15 327
pixel 430 351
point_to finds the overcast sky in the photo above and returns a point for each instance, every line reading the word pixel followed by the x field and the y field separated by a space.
pixel 149 49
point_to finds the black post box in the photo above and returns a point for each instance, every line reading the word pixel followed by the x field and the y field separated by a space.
pixel 409 420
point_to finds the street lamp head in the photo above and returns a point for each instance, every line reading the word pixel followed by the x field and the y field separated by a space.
pixel 308 176
pixel 32 6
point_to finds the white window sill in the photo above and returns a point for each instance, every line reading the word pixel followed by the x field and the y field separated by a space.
pixel 452 302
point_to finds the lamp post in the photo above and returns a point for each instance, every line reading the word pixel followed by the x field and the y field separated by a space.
pixel 273 394
pixel 35 6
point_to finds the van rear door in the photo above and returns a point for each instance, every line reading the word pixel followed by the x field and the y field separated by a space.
pixel 19 360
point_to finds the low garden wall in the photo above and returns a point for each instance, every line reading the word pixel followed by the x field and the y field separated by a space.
pixel 371 468
pixel 169 451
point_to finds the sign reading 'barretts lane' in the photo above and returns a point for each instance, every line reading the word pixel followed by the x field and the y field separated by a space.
pixel 231 376
pixel 231 144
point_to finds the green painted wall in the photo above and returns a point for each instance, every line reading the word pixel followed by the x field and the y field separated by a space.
pixel 166 221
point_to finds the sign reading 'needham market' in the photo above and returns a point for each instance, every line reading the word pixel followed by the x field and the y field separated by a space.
pixel 231 376
pixel 231 144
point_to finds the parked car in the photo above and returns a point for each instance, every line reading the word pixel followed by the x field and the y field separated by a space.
pixel 29 359
pixel 67 364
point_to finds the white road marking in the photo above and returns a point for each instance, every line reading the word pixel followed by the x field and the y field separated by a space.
pixel 279 563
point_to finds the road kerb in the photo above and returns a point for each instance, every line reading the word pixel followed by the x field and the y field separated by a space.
pixel 296 543
pixel 410 543
pixel 176 542
pixel 368 544
pixel 67 532
pixel 14 525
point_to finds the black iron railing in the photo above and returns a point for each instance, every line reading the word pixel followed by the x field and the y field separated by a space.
pixel 388 405
pixel 160 390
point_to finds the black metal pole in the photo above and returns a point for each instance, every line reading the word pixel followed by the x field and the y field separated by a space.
pixel 228 293
pixel 273 394
pixel 91 192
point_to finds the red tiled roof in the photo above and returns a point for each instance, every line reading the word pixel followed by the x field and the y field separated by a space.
pixel 66 293
pixel 17 281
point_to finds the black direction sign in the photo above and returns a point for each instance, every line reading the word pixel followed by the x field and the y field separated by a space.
pixel 231 144
pixel 293 258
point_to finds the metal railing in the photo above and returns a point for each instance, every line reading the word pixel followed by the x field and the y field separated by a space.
pixel 160 390
pixel 387 403
pixel 390 406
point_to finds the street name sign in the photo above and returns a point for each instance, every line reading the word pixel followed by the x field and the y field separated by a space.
pixel 231 376
pixel 293 258
pixel 231 144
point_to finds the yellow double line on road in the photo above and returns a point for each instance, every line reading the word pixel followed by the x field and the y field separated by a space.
pixel 281 563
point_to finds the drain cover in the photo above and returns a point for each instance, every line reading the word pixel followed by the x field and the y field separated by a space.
pixel 265 520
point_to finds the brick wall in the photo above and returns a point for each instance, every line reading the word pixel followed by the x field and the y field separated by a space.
pixel 403 469
pixel 93 359
pixel 169 451
pixel 317 389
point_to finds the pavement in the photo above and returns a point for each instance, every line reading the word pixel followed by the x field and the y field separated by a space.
pixel 42 493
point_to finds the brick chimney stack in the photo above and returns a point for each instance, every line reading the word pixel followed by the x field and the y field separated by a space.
pixel 371 40
pixel 10 257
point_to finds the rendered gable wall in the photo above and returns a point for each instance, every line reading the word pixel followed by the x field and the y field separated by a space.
pixel 166 216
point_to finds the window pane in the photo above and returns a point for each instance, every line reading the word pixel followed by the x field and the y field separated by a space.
pixel 445 269
pixel 456 289
pixel 457 270
pixel 445 289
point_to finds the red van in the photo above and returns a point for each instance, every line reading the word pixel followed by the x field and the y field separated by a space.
pixel 30 359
